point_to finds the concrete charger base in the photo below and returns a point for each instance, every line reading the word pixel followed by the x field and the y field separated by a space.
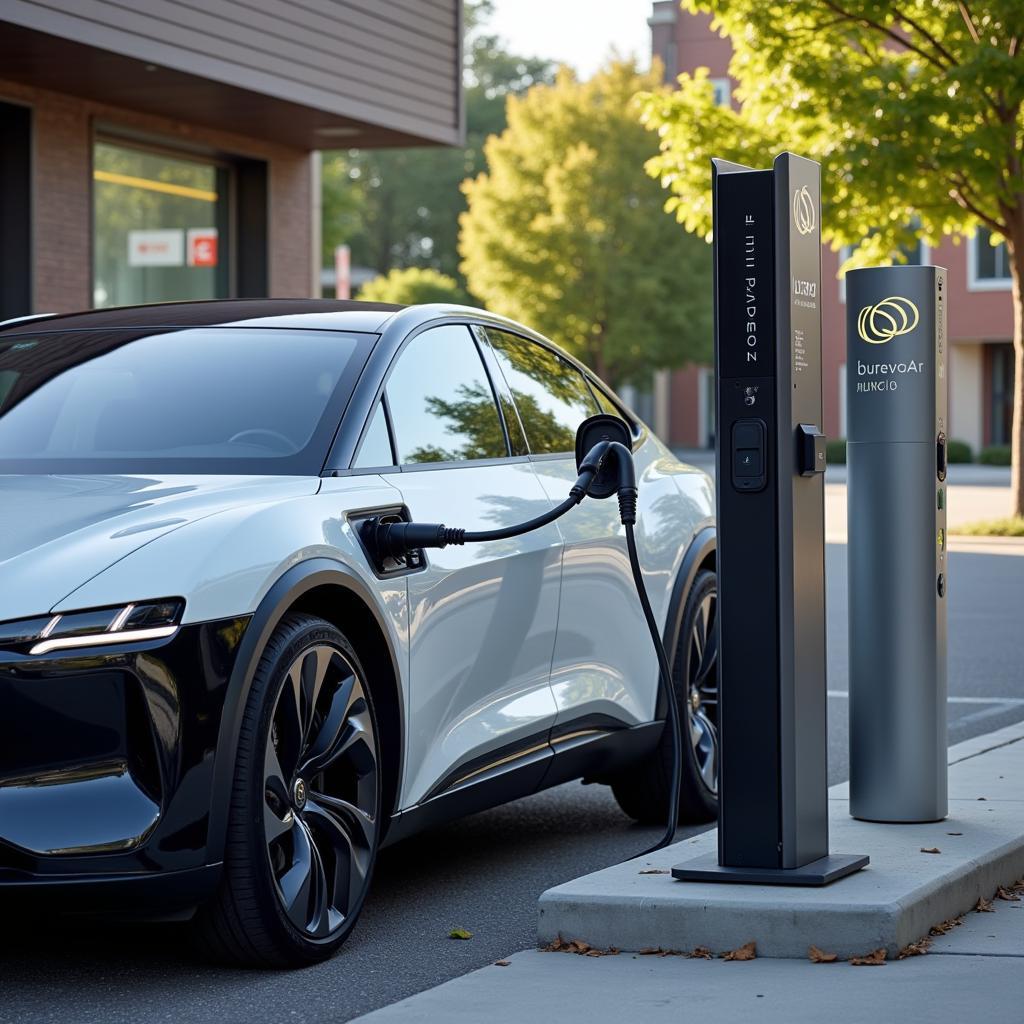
pixel 919 876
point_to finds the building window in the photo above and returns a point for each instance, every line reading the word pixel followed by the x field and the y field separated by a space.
pixel 1000 389
pixel 159 226
pixel 988 265
pixel 723 91
pixel 916 255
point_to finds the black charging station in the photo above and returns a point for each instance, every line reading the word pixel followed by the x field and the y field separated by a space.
pixel 770 462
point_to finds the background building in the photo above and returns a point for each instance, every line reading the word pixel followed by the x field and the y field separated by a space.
pixel 166 149
pixel 980 312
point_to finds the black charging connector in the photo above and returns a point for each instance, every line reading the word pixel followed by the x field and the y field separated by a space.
pixel 604 464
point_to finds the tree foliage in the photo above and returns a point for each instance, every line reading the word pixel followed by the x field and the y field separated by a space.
pixel 414 285
pixel 566 232
pixel 400 207
pixel 914 109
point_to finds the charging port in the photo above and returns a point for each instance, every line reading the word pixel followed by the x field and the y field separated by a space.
pixel 384 564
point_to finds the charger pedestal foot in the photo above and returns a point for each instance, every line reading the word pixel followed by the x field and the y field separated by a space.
pixel 817 873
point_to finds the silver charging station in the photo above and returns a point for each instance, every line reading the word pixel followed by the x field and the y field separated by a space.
pixel 896 407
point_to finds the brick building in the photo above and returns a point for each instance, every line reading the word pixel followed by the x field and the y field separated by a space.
pixel 166 149
pixel 980 313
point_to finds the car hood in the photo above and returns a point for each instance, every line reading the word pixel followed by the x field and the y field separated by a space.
pixel 57 532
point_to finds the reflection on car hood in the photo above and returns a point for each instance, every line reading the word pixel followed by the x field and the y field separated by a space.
pixel 56 532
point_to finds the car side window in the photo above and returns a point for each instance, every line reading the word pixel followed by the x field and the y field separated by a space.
pixel 606 404
pixel 441 401
pixel 375 451
pixel 552 396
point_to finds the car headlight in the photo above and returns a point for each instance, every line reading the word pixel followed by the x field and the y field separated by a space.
pixel 121 624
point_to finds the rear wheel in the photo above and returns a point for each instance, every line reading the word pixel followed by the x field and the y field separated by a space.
pixel 306 805
pixel 642 790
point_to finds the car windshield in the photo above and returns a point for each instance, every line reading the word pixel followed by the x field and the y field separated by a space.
pixel 196 400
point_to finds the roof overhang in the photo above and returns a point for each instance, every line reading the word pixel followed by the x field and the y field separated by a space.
pixel 210 99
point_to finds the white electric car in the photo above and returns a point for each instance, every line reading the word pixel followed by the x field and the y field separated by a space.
pixel 213 696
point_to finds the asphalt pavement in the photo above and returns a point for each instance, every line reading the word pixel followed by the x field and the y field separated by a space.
pixel 483 874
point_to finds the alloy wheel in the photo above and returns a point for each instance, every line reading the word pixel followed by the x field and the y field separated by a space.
pixel 320 792
pixel 702 668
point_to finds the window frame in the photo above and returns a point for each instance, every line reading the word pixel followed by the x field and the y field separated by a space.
pixel 382 396
pixel 113 134
pixel 846 251
pixel 381 402
pixel 478 326
pixel 983 284
pixel 594 385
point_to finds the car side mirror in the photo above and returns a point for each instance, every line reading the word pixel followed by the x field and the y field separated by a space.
pixel 594 429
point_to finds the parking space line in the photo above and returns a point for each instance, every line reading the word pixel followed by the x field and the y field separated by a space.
pixel 1009 701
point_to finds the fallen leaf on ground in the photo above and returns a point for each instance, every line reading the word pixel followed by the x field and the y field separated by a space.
pixel 930 849
pixel 918 948
pixel 501 963
pixel 876 958
pixel 748 951
pixel 818 956
pixel 654 871
pixel 459 933
pixel 1007 894
pixel 577 946
pixel 945 926
pixel 954 833
pixel 983 906
pixel 701 953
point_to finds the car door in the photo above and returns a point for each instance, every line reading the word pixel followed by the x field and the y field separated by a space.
pixel 481 617
pixel 604 669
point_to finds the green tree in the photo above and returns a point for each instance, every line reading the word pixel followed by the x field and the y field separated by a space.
pixel 414 285
pixel 406 202
pixel 914 109
pixel 567 233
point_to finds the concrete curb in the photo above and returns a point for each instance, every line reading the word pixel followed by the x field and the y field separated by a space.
pixel 890 904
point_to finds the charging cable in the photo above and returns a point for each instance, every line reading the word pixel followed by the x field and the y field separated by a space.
pixel 393 540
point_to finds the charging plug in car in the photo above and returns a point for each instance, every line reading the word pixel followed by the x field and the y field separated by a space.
pixel 604 464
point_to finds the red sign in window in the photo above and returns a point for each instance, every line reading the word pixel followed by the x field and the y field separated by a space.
pixel 202 247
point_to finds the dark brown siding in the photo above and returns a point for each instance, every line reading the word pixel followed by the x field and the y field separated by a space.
pixel 388 63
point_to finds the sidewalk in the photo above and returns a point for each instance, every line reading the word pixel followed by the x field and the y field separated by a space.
pixel 975 970
pixel 962 980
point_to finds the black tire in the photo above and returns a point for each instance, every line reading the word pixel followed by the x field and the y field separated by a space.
pixel 642 790
pixel 310 705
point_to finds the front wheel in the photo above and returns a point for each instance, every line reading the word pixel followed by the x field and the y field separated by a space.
pixel 306 805
pixel 642 790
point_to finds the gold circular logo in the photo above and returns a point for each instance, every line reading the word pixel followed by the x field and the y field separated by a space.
pixel 887 319
pixel 803 211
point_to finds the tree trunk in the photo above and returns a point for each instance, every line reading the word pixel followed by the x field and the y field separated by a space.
pixel 1016 247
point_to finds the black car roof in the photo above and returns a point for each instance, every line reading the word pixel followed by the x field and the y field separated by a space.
pixel 344 315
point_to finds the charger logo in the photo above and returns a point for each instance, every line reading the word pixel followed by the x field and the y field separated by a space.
pixel 887 319
pixel 803 211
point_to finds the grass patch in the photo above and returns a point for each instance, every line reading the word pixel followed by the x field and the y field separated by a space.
pixel 996 455
pixel 1011 526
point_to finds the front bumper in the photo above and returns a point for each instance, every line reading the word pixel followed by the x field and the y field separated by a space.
pixel 107 762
